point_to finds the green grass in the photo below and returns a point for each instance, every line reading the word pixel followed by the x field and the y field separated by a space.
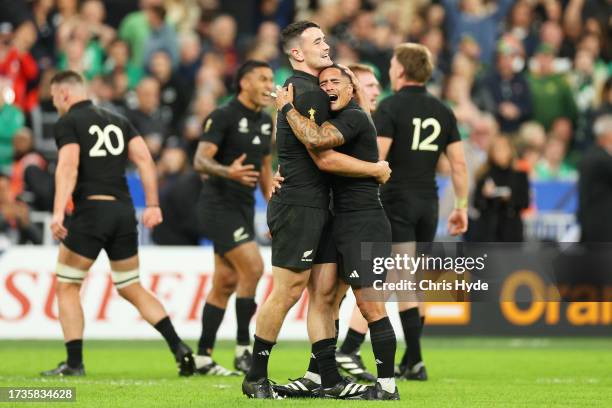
pixel 464 372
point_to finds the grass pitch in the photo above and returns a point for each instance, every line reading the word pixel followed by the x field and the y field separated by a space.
pixel 464 372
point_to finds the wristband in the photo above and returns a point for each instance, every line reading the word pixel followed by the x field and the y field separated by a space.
pixel 153 206
pixel 461 203
pixel 286 108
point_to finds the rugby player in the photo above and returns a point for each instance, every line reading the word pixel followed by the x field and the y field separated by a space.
pixel 348 356
pixel 234 151
pixel 414 129
pixel 94 147
pixel 359 217
pixel 297 216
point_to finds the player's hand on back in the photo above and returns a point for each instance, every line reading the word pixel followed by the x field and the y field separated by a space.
pixel 58 230
pixel 283 96
pixel 277 181
pixel 383 172
pixel 243 173
pixel 458 222
pixel 152 216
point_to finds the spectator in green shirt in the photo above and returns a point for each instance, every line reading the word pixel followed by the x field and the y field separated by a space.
pixel 552 96
pixel 119 61
pixel 11 120
pixel 135 30
pixel 552 165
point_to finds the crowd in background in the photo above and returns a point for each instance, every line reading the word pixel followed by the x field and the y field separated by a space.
pixel 536 72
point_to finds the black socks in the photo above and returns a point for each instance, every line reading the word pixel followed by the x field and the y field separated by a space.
pixel 212 316
pixel 245 309
pixel 165 327
pixel 384 344
pixel 74 349
pixel 261 354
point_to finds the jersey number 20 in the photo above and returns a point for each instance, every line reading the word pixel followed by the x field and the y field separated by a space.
pixel 427 144
pixel 104 142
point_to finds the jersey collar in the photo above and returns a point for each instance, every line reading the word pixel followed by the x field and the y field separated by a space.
pixel 306 75
pixel 351 105
pixel 413 89
pixel 81 104
pixel 249 112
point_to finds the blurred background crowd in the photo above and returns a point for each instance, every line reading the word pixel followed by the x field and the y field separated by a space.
pixel 525 78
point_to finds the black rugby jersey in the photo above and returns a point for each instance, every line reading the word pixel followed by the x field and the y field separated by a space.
pixel 421 127
pixel 352 193
pixel 103 139
pixel 236 129
pixel 304 184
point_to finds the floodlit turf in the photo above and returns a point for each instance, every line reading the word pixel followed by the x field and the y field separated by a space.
pixel 464 372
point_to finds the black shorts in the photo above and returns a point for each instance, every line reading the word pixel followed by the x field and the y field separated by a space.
pixel 296 232
pixel 412 218
pixel 326 251
pixel 103 224
pixel 361 236
pixel 226 225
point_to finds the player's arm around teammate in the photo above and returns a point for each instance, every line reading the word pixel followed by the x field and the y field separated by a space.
pixel 320 141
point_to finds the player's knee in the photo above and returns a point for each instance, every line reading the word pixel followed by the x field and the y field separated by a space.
pixel 69 277
pixel 289 295
pixel 224 287
pixel 227 288
pixel 372 311
pixel 254 272
pixel 123 279
pixel 325 299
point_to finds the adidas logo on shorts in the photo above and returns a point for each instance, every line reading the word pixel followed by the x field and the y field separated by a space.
pixel 378 361
pixel 354 274
pixel 264 353
pixel 305 257
pixel 239 234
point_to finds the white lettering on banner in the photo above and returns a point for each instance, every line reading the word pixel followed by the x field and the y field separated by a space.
pixel 179 276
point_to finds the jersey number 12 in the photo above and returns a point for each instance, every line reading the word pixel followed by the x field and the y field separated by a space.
pixel 104 142
pixel 427 144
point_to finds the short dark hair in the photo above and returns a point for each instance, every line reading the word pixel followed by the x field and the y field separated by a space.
pixel 293 31
pixel 342 71
pixel 245 68
pixel 67 77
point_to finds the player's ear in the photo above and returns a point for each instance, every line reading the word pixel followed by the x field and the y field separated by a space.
pixel 244 84
pixel 401 73
pixel 297 55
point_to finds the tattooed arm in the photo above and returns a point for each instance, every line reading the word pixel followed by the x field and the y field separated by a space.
pixel 314 137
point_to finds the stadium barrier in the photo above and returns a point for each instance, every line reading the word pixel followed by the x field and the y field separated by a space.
pixel 181 276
